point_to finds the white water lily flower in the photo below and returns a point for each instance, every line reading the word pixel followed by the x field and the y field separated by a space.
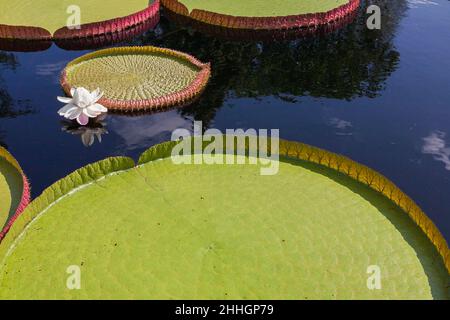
pixel 82 106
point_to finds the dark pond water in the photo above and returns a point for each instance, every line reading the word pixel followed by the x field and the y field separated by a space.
pixel 379 97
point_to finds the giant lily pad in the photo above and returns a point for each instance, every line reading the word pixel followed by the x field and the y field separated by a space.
pixel 14 190
pixel 46 19
pixel 265 35
pixel 263 14
pixel 167 231
pixel 138 78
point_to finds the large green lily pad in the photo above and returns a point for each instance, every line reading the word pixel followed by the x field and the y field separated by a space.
pixel 52 14
pixel 263 8
pixel 262 14
pixel 65 19
pixel 167 231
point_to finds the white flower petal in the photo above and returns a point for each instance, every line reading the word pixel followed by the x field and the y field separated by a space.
pixel 98 108
pixel 91 113
pixel 73 114
pixel 67 108
pixel 75 98
pixel 64 99
pixel 96 95
pixel 82 97
pixel 82 105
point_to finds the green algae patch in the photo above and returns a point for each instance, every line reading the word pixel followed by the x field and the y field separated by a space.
pixel 167 231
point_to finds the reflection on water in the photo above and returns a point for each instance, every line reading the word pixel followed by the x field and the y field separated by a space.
pixel 349 63
pixel 24 45
pixel 145 130
pixel 435 145
pixel 50 69
pixel 417 3
pixel 340 124
pixel 8 107
pixel 87 133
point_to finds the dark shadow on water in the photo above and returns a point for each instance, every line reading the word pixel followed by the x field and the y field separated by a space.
pixel 430 259
pixel 24 45
pixel 8 107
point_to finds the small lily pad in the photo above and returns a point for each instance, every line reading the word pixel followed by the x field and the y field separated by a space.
pixel 138 78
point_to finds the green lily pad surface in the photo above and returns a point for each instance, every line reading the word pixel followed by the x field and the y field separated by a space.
pixel 138 78
pixel 11 187
pixel 168 231
pixel 54 14
pixel 263 8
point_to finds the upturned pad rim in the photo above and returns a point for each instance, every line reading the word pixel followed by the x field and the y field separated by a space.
pixel 25 195
pixel 262 23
